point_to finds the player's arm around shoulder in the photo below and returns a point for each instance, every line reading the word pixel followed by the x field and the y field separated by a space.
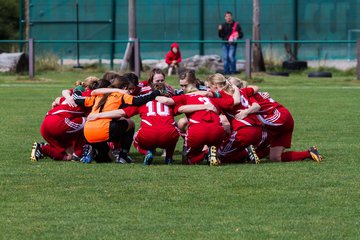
pixel 101 91
pixel 119 113
pixel 197 107
pixel 165 100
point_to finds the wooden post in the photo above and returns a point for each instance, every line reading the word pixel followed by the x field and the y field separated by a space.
pixel 137 57
pixel 31 58
pixel 358 58
pixel 259 64
pixel 128 56
pixel 27 20
pixel 248 58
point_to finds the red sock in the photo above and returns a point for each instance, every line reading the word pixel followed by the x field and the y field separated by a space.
pixel 140 150
pixel 54 153
pixel 263 152
pixel 294 156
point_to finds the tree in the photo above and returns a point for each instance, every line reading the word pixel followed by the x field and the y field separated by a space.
pixel 9 19
pixel 9 23
pixel 258 62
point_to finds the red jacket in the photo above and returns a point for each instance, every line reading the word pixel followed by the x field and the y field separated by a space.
pixel 171 56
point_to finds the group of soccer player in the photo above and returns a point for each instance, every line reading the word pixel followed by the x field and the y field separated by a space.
pixel 226 121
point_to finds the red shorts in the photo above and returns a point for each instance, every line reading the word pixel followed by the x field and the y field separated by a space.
pixel 199 135
pixel 231 150
pixel 147 138
pixel 281 135
pixel 62 134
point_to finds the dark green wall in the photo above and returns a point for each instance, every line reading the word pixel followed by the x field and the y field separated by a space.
pixel 180 20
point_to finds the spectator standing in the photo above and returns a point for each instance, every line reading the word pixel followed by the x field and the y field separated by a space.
pixel 229 31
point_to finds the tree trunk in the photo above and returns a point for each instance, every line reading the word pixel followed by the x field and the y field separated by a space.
pixel 129 56
pixel 258 59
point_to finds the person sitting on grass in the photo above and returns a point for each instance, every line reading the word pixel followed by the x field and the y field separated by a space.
pixel 173 58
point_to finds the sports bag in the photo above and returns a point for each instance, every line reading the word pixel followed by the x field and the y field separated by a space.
pixel 234 34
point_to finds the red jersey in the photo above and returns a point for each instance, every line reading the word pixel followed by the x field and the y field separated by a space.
pixel 203 116
pixel 86 93
pixel 153 114
pixel 66 111
pixel 171 56
pixel 267 104
pixel 271 113
pixel 62 120
pixel 245 103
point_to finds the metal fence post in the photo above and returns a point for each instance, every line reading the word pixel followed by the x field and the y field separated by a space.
pixel 358 58
pixel 137 56
pixel 31 58
pixel 248 58
pixel 77 37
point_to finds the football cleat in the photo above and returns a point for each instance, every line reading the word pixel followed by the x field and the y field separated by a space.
pixel 206 158
pixel 87 154
pixel 122 157
pixel 252 155
pixel 129 159
pixel 314 153
pixel 36 153
pixel 120 160
pixel 75 158
pixel 148 158
pixel 213 160
pixel 116 153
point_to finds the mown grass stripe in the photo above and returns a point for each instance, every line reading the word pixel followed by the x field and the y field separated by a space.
pixel 39 85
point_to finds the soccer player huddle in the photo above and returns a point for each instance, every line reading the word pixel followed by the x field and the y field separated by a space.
pixel 226 121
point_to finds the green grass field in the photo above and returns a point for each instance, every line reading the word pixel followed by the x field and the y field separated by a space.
pixel 68 200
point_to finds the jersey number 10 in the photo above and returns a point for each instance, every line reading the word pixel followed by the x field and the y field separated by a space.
pixel 157 108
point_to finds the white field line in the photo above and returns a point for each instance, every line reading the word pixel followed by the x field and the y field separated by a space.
pixel 312 87
pixel 27 85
